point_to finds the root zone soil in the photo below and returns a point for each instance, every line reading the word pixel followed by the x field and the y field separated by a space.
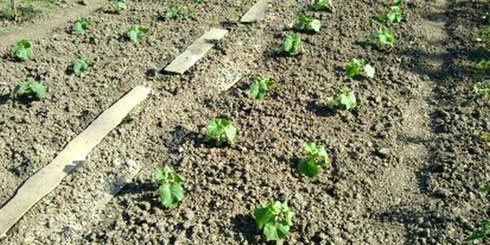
pixel 407 163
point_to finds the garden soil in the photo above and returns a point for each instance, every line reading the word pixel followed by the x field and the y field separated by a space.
pixel 407 163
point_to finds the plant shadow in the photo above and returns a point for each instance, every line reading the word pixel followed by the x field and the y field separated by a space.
pixel 245 224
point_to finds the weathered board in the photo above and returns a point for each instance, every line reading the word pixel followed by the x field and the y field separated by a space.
pixel 196 51
pixel 256 13
pixel 49 177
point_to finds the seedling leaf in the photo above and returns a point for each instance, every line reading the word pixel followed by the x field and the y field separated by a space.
pixel 170 190
pixel 292 45
pixel 359 68
pixel 274 219
pixel 118 5
pixel 22 50
pixel 384 39
pixel 308 24
pixel 220 130
pixel 260 86
pixel 315 158
pixel 81 26
pixel 480 234
pixel 320 5
pixel 30 90
pixel 343 100
pixel 136 33
pixel 81 65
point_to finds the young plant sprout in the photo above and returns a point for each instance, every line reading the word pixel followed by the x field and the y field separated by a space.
pixel 117 6
pixel 293 45
pixel 29 90
pixel 482 67
pixel 80 26
pixel 136 33
pixel 22 51
pixel 274 219
pixel 322 5
pixel 170 190
pixel 359 68
pixel 393 16
pixel 481 233
pixel 315 158
pixel 482 89
pixel 220 130
pixel 81 65
pixel 485 137
pixel 484 35
pixel 308 24
pixel 343 100
pixel 177 10
pixel 384 39
pixel 259 87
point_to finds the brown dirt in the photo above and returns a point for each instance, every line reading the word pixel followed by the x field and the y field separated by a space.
pixel 407 163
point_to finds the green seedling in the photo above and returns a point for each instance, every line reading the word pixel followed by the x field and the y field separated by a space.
pixel 485 137
pixel 136 33
pixel 274 219
pixel 480 234
pixel 486 189
pixel 484 35
pixel 315 158
pixel 292 45
pixel 308 24
pixel 22 50
pixel 482 67
pixel 81 65
pixel 321 5
pixel 177 10
pixel 117 6
pixel 170 190
pixel 259 87
pixel 384 39
pixel 221 130
pixel 30 90
pixel 399 2
pixel 81 26
pixel 359 68
pixel 393 16
pixel 482 89
pixel 343 100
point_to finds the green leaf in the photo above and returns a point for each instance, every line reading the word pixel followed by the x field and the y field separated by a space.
pixel 480 234
pixel 170 190
pixel 177 10
pixel 308 24
pixel 485 189
pixel 22 50
pixel 29 90
pixel 258 89
pixel 292 45
pixel 353 68
pixel 315 158
pixel 274 219
pixel 482 67
pixel 220 130
pixel 343 100
pixel 483 89
pixel 322 5
pixel 308 167
pixel 81 26
pixel 81 65
pixel 136 33
pixel 118 6
pixel 384 39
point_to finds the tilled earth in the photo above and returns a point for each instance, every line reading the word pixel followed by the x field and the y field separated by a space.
pixel 407 163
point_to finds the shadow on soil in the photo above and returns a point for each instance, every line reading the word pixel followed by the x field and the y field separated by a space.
pixel 245 224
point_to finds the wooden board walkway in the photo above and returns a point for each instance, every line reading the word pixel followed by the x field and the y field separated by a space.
pixel 196 51
pixel 49 177
pixel 256 13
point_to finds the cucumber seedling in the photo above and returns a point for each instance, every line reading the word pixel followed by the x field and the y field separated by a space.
pixel 81 65
pixel 117 6
pixel 136 33
pixel 22 51
pixel 80 26
pixel 393 16
pixel 343 100
pixel 274 219
pixel 177 10
pixel 482 67
pixel 30 90
pixel 170 190
pixel 482 89
pixel 481 233
pixel 221 130
pixel 292 45
pixel 308 24
pixel 259 87
pixel 322 5
pixel 359 68
pixel 384 39
pixel 315 158
pixel 485 137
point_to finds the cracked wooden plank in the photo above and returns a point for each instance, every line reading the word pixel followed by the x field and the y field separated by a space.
pixel 196 51
pixel 49 177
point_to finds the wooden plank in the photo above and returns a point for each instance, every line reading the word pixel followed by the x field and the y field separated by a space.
pixel 196 51
pixel 256 13
pixel 46 179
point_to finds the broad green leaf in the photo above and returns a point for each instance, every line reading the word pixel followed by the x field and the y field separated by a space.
pixel 322 5
pixel 136 33
pixel 274 219
pixel 81 26
pixel 29 90
pixel 81 65
pixel 220 130
pixel 308 167
pixel 308 24
pixel 22 50
pixel 170 194
pixel 259 87
pixel 118 5
pixel 293 45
